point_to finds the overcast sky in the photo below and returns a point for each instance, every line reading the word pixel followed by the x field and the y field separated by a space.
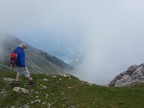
pixel 111 31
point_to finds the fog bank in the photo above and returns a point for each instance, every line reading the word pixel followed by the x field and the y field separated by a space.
pixel 109 33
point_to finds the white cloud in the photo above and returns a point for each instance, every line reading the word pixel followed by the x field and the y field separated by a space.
pixel 111 30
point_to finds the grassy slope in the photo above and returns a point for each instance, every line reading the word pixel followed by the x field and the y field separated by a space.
pixel 64 92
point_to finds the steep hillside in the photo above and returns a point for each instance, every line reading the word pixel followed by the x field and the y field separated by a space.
pixel 37 60
pixel 65 91
pixel 133 75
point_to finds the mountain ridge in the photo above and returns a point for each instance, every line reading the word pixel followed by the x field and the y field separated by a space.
pixel 37 60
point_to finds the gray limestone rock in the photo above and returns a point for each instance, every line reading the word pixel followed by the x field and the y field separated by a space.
pixel 21 90
pixel 133 75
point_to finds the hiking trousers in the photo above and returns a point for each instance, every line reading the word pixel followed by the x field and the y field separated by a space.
pixel 23 71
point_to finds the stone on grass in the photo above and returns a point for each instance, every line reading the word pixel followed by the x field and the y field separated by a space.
pixel 21 90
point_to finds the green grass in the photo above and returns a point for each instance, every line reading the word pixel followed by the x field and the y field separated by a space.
pixel 64 92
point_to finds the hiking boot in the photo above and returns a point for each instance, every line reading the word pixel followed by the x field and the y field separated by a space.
pixel 15 84
pixel 31 82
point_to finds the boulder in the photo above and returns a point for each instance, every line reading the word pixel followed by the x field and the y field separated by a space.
pixel 21 90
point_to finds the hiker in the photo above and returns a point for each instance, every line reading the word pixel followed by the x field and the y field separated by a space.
pixel 20 64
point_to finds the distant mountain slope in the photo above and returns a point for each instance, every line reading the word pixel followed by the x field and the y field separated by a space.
pixel 38 61
pixel 133 75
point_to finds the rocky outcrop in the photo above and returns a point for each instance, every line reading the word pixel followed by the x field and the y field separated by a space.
pixel 133 75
